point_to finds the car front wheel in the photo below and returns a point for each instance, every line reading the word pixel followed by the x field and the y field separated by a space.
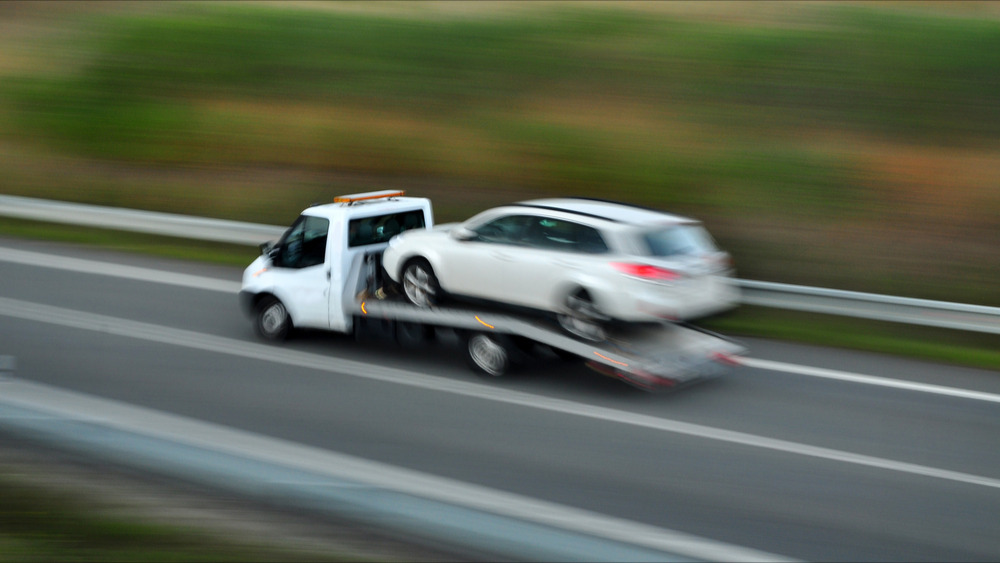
pixel 420 284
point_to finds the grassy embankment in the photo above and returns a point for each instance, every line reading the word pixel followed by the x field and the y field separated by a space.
pixel 847 146
pixel 41 524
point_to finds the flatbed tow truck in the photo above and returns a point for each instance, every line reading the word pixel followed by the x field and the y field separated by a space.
pixel 325 273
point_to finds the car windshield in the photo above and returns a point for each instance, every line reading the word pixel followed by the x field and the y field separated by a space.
pixel 678 240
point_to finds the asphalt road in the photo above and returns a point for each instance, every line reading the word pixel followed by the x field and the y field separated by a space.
pixel 786 460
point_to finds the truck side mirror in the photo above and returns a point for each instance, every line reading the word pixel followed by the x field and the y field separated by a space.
pixel 266 247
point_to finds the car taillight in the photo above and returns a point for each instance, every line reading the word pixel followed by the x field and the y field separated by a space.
pixel 645 271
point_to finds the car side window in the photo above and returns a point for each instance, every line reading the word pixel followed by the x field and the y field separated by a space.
pixel 504 230
pixel 304 244
pixel 590 241
pixel 567 236
pixel 380 228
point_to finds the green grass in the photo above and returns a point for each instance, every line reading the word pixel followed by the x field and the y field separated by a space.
pixel 40 524
pixel 166 87
pixel 898 75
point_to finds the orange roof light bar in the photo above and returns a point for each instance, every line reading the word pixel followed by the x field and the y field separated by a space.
pixel 353 198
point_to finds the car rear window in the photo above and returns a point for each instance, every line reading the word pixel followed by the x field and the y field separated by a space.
pixel 678 240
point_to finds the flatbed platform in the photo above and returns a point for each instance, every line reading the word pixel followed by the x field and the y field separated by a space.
pixel 647 356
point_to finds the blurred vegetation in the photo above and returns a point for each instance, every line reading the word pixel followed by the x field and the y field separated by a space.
pixel 846 145
pixel 39 524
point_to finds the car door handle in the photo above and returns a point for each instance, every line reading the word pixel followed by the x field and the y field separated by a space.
pixel 567 264
pixel 503 256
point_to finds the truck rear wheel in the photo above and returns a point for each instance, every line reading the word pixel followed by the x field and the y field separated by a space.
pixel 487 354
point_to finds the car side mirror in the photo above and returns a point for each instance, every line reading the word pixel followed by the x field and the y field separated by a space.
pixel 463 233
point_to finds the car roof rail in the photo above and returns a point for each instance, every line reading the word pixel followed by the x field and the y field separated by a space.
pixel 622 203
pixel 564 210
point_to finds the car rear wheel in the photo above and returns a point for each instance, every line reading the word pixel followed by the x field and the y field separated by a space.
pixel 420 284
pixel 582 318
pixel 271 320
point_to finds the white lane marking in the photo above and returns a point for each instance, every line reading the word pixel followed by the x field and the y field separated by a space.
pixel 349 368
pixel 870 380
pixel 116 270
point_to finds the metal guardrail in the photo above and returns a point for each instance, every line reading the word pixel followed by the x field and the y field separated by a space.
pixel 924 312
pixel 169 224
pixel 943 314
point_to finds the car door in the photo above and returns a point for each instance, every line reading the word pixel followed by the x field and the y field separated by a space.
pixel 300 269
pixel 491 265
pixel 522 259
pixel 563 254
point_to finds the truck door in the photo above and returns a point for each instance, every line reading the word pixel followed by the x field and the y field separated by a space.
pixel 301 270
pixel 364 235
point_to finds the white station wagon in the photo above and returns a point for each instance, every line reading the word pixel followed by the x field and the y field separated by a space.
pixel 588 261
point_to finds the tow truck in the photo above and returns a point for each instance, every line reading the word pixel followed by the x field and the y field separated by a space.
pixel 325 273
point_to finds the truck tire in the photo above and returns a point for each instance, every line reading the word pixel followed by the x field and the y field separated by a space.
pixel 487 354
pixel 271 320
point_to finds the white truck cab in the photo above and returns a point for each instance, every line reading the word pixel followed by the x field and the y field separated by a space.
pixel 309 277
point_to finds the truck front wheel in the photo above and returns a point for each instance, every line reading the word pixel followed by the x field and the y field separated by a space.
pixel 271 320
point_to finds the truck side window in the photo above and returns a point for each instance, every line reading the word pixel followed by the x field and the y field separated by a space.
pixel 380 228
pixel 304 244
